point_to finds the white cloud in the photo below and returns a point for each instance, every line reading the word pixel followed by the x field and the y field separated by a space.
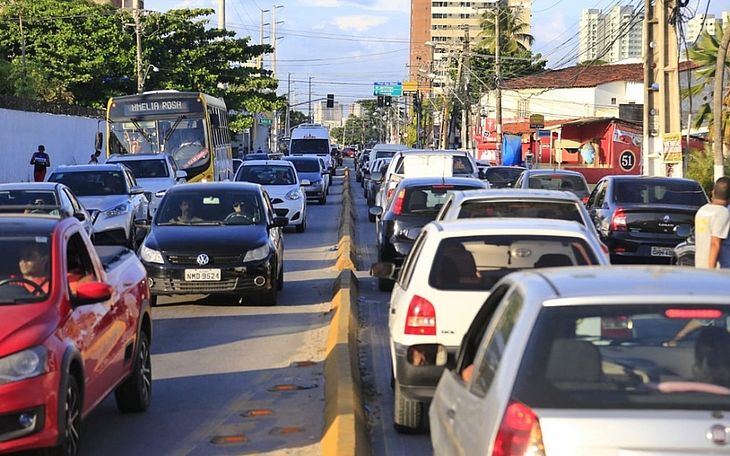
pixel 323 3
pixel 196 4
pixel 402 6
pixel 359 23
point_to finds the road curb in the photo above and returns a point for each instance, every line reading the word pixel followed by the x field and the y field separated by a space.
pixel 345 430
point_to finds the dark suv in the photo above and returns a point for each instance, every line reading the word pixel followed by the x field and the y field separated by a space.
pixel 636 216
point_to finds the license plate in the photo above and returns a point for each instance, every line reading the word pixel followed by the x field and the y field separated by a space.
pixel 662 251
pixel 202 275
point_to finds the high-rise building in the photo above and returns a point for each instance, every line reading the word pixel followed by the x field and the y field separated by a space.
pixel 610 36
pixel 355 109
pixel 330 117
pixel 444 24
pixel 701 24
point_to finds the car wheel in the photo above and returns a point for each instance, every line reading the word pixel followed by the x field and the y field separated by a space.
pixel 407 413
pixel 270 298
pixel 70 430
pixel 385 285
pixel 280 279
pixel 302 226
pixel 135 393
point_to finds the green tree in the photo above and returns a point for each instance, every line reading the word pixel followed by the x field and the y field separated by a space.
pixel 514 36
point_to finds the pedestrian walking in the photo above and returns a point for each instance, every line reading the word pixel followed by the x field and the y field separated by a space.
pixel 40 161
pixel 712 223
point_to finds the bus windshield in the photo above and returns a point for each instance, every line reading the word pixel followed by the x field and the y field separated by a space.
pixel 182 137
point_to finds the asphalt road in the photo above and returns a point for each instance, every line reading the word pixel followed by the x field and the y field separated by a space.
pixel 217 366
pixel 374 350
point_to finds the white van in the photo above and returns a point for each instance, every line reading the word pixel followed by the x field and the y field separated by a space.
pixel 385 151
pixel 312 139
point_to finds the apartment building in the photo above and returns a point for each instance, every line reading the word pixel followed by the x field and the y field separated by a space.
pixel 329 117
pixel 709 23
pixel 610 36
pixel 444 24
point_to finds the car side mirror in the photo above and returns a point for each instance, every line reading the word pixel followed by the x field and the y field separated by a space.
pixel 142 224
pixel 280 222
pixel 80 216
pixel 91 293
pixel 136 190
pixel 305 182
pixel 383 270
pixel 376 211
pixel 180 174
pixel 683 231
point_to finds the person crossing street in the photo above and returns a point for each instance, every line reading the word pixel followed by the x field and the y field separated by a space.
pixel 41 162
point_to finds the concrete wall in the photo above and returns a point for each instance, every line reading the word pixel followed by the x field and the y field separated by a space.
pixel 68 140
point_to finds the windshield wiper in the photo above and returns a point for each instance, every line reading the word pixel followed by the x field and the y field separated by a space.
pixel 141 131
pixel 171 130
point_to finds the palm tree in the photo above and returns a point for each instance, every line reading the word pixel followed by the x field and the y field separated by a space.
pixel 514 36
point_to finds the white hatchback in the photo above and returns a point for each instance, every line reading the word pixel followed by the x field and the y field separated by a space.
pixel 445 280
pixel 599 361
pixel 280 179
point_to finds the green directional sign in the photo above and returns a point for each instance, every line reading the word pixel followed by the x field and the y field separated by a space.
pixel 264 121
pixel 388 89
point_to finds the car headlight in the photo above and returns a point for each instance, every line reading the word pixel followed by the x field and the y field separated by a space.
pixel 150 255
pixel 257 254
pixel 293 195
pixel 25 364
pixel 160 194
pixel 119 210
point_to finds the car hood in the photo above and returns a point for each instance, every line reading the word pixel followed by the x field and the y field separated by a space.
pixel 279 191
pixel 154 184
pixel 103 203
pixel 208 239
pixel 25 325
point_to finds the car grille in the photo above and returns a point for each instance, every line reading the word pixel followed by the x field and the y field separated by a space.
pixel 214 260
pixel 227 285
pixel 277 201
pixel 281 212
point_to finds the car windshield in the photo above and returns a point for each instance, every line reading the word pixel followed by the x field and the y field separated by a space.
pixel 306 166
pixel 142 169
pixel 309 146
pixel 501 177
pixel 25 271
pixel 267 175
pixel 565 182
pixel 679 192
pixel 92 183
pixel 478 262
pixel 561 210
pixel 627 357
pixel 428 199
pixel 28 202
pixel 210 208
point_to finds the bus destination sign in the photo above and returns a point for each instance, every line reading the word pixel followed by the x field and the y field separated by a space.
pixel 155 107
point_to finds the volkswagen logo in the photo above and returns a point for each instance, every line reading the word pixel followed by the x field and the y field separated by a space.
pixel 203 259
pixel 718 434
pixel 666 219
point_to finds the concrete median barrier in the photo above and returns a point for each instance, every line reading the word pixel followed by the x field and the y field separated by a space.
pixel 345 430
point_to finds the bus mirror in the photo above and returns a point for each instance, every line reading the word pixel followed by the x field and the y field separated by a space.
pixel 99 141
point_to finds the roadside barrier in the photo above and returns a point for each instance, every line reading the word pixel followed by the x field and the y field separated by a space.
pixel 345 429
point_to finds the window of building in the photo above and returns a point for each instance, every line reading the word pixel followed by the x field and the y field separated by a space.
pixel 523 108
pixel 613 100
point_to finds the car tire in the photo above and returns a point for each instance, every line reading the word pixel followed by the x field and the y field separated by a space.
pixel 135 393
pixel 271 297
pixel 407 413
pixel 371 217
pixel 70 430
pixel 385 285
pixel 280 279
pixel 302 226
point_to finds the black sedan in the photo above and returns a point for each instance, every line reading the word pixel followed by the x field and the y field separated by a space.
pixel 211 238
pixel 636 216
pixel 417 201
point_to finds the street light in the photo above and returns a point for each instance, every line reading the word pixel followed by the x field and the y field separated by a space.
pixel 146 72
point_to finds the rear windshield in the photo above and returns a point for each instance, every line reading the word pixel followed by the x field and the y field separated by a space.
pixel 384 153
pixel 478 262
pixel 503 176
pixel 309 146
pixel 146 168
pixel 267 175
pixel 627 357
pixel 428 199
pixel 88 183
pixel 565 182
pixel 461 165
pixel 306 166
pixel 520 209
pixel 659 192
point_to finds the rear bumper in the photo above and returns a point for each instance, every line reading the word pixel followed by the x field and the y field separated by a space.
pixel 625 248
pixel 418 382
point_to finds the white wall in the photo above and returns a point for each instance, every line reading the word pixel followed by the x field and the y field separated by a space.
pixel 554 104
pixel 68 140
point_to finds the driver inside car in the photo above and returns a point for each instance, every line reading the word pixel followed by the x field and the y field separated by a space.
pixel 243 211
pixel 33 266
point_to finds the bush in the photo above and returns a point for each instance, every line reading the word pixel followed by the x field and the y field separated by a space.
pixel 700 167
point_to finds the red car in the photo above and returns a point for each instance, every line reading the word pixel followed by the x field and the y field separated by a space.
pixel 348 152
pixel 76 326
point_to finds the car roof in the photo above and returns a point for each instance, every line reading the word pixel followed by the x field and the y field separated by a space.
pixel 116 158
pixel 638 281
pixel 435 152
pixel 214 186
pixel 29 225
pixel 86 168
pixel 299 158
pixel 502 225
pixel 30 186
pixel 413 181
pixel 395 147
pixel 517 193
pixel 268 163
pixel 553 171
pixel 649 178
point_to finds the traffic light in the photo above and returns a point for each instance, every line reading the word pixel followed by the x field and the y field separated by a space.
pixel 381 101
pixel 388 101
pixel 330 100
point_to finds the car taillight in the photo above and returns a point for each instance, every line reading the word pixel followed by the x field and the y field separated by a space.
pixel 421 317
pixel 519 433
pixel 398 203
pixel 618 221
pixel 693 313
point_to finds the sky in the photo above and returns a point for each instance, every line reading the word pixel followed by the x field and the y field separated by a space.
pixel 347 45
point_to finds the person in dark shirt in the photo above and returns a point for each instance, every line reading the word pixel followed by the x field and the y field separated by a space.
pixel 40 161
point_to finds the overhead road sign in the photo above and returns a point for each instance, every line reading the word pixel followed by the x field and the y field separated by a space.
pixel 410 87
pixel 391 89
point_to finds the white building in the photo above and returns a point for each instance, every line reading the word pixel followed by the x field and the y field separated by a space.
pixel 710 24
pixel 329 117
pixel 610 36
pixel 355 109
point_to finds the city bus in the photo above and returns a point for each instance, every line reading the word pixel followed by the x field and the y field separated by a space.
pixel 191 127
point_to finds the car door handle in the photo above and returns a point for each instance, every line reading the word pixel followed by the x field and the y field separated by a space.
pixel 451 413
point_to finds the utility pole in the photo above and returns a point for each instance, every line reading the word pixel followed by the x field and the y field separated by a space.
pixel 444 133
pixel 136 12
pixel 260 58
pixel 288 104
pixel 464 86
pixel 310 99
pixel 662 123
pixel 498 77
pixel 717 104
pixel 275 122
pixel 221 14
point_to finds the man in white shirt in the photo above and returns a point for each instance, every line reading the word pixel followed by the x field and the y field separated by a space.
pixel 712 223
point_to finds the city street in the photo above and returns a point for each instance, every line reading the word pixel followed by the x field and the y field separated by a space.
pixel 217 366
